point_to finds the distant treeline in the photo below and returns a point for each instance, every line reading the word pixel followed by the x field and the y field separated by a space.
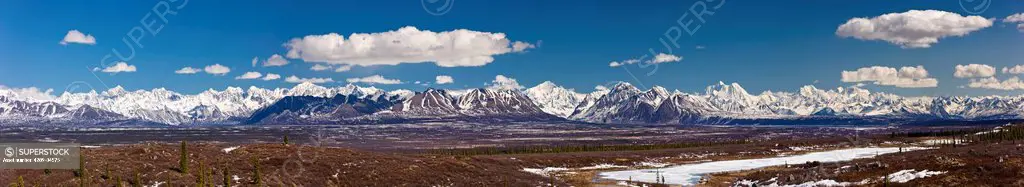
pixel 1006 133
pixel 1003 133
pixel 576 148
pixel 939 133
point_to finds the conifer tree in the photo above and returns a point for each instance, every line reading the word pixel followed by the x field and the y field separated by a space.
pixel 138 180
pixel 183 162
pixel 227 178
pixel 256 172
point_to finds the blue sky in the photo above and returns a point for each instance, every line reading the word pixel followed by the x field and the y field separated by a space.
pixel 763 45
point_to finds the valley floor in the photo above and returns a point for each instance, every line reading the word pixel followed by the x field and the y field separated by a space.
pixel 518 155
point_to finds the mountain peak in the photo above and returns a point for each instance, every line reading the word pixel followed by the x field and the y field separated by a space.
pixel 546 84
pixel 116 90
pixel 304 85
pixel 310 89
pixel 624 86
pixel 659 90
pixel 726 89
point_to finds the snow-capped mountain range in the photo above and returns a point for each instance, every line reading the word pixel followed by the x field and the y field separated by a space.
pixel 622 104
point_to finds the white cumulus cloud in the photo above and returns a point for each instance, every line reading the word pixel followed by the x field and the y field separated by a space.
pixel 319 67
pixel 914 28
pixel 505 83
pixel 662 58
pixel 444 79
pixel 27 94
pixel 1013 83
pixel 294 79
pixel 271 76
pixel 905 77
pixel 374 79
pixel 343 68
pixel 75 36
pixel 974 70
pixel 217 69
pixel 275 60
pixel 188 70
pixel 250 75
pixel 1018 17
pixel 456 48
pixel 1018 69
pixel 119 67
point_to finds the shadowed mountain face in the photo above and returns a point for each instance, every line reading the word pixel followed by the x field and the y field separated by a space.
pixel 497 102
pixel 429 101
pixel 11 107
pixel 337 107
pixel 89 112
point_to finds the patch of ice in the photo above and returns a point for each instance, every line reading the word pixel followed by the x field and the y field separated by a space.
pixel 942 141
pixel 545 171
pixel 229 149
pixel 690 174
pixel 826 182
pixel 653 164
pixel 624 183
pixel 903 176
pixel 157 184
pixel 601 166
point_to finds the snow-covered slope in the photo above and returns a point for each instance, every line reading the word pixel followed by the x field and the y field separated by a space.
pixel 211 106
pixel 624 103
pixel 497 102
pixel 555 99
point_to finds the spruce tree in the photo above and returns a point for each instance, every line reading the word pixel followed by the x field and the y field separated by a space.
pixel 138 180
pixel 183 163
pixel 200 180
pixel 227 179
pixel 256 172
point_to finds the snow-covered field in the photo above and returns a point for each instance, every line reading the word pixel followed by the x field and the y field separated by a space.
pixel 690 174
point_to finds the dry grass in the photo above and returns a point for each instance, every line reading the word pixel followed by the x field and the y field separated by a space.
pixel 280 165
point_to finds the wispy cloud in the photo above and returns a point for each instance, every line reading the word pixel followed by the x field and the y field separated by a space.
pixel 119 67
pixel 188 70
pixel 294 79
pixel 374 79
pixel 250 75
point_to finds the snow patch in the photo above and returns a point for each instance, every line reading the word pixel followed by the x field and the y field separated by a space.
pixel 690 174
pixel 229 149
pixel 545 171
pixel 601 166
pixel 904 176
